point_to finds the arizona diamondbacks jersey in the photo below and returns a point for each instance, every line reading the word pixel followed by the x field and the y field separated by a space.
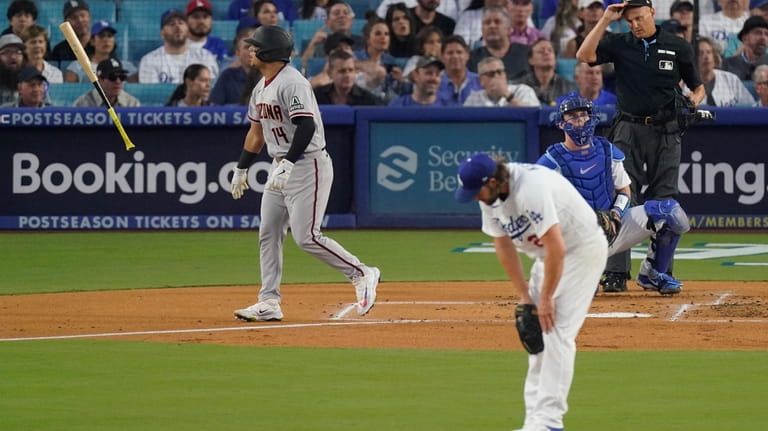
pixel 273 104
pixel 538 199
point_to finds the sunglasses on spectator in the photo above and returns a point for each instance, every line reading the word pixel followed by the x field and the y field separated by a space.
pixel 115 77
pixel 492 73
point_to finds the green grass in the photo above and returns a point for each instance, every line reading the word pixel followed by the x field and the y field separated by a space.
pixel 55 262
pixel 100 385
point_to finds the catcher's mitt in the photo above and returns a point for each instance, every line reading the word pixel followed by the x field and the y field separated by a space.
pixel 610 222
pixel 529 328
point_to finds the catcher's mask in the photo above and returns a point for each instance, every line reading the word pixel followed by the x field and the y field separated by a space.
pixel 581 134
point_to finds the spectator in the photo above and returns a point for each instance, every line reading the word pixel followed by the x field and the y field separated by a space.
pixel 21 15
pixel 194 90
pixel 78 14
pixel 470 22
pixel 333 42
pixel 754 36
pixel 497 44
pixel 673 26
pixel 429 42
pixel 200 24
pixel 682 11
pixel 313 9
pixel 425 13
pixel 241 8
pixel 229 88
pixel 11 61
pixel 266 12
pixel 426 81
pixel 722 88
pixel 379 73
pixel 340 19
pixel 542 77
pixel 167 63
pixel 112 76
pixel 759 8
pixel 31 87
pixel 457 82
pixel 589 80
pixel 342 89
pixel 449 8
pixel 563 25
pixel 521 31
pixel 589 13
pixel 402 37
pixel 36 42
pixel 760 78
pixel 103 46
pixel 719 25
pixel 496 91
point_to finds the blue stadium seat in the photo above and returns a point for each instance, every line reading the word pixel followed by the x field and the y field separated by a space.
pixel 315 65
pixel 50 12
pixel 142 17
pixel 566 67
pixel 220 8
pixel 150 94
pixel 357 26
pixel 225 30
pixel 137 48
pixel 66 93
pixel 303 30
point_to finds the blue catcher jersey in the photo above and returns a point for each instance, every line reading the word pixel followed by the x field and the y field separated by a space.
pixel 589 169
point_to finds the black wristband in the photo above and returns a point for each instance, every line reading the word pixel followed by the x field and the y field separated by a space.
pixel 246 159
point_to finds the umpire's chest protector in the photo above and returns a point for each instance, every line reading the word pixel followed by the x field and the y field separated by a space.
pixel 589 170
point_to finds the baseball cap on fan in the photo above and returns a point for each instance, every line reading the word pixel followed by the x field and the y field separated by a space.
pixel 72 6
pixel 30 73
pixel 199 5
pixel 679 5
pixel 474 172
pixel 170 14
pixel 11 39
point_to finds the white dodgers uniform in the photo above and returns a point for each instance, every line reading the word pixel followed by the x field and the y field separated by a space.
pixel 301 204
pixel 158 66
pixel 538 199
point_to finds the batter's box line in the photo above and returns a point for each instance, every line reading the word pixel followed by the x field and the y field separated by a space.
pixel 685 307
pixel 348 308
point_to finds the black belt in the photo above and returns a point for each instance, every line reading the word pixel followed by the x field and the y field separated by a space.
pixel 648 120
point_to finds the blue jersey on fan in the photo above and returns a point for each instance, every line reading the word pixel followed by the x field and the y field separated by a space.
pixel 588 169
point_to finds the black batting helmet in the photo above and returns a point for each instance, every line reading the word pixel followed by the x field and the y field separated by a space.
pixel 275 43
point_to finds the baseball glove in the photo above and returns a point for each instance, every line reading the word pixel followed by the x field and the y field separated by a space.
pixel 529 328
pixel 610 222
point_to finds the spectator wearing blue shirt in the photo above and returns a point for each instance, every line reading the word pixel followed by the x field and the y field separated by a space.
pixel 230 88
pixel 200 23
pixel 241 8
pixel 457 82
pixel 589 79
pixel 426 81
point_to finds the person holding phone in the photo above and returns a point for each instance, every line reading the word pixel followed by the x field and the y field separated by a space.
pixel 649 64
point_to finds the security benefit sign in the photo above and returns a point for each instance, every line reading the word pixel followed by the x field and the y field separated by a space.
pixel 722 183
pixel 413 165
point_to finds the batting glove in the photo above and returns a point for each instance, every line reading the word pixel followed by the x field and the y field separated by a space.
pixel 280 175
pixel 239 183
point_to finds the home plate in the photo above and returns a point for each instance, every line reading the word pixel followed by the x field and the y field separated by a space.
pixel 617 315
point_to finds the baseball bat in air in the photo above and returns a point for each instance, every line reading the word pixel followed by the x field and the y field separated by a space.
pixel 85 63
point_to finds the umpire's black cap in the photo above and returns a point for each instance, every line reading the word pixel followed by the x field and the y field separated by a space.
pixel 637 3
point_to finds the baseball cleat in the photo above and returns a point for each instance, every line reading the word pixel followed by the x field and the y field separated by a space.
pixel 663 283
pixel 614 282
pixel 365 288
pixel 265 311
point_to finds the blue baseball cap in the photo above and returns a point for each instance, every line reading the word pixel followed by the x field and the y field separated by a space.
pixel 754 4
pixel 474 172
pixel 102 25
pixel 171 13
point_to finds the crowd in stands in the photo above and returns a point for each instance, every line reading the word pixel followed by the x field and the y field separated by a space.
pixel 491 53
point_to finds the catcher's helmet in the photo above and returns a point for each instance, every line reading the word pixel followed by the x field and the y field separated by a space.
pixel 581 136
pixel 274 43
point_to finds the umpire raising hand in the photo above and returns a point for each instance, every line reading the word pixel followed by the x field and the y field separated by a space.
pixel 649 64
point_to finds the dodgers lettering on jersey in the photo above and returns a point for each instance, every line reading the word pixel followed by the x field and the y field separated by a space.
pixel 538 199
pixel 275 102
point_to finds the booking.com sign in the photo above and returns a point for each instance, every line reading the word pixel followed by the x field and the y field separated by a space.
pixel 411 172
pixel 5 119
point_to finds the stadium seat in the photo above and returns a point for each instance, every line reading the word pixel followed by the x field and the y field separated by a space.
pixel 357 26
pixel 142 17
pixel 566 67
pixel 137 48
pixel 303 30
pixel 66 93
pixel 220 8
pixel 225 30
pixel 150 94
pixel 50 12
pixel 315 65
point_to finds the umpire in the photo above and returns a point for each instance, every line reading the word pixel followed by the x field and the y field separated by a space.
pixel 649 64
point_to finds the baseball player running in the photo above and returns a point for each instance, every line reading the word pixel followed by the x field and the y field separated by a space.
pixel 284 115
pixel 595 167
pixel 536 210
